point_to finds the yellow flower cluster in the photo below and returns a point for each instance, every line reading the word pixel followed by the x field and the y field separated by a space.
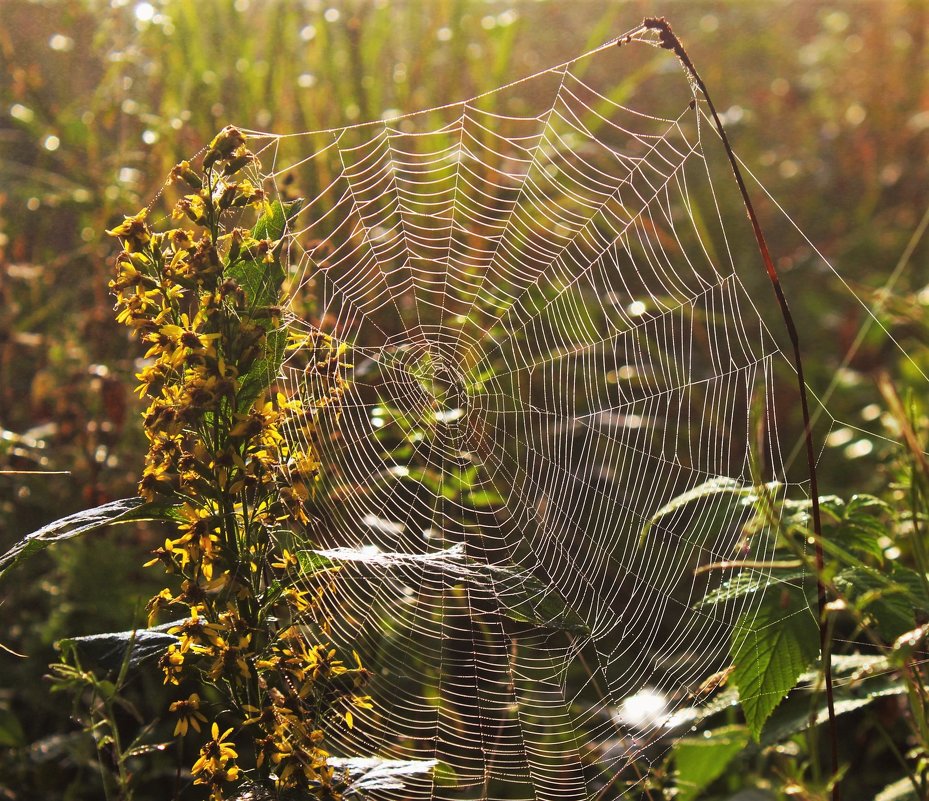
pixel 216 764
pixel 205 300
pixel 290 734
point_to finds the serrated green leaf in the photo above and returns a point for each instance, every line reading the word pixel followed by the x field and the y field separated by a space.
pixel 795 715
pixel 863 524
pixel 846 666
pixel 525 599
pixel 271 595
pixel 108 651
pixel 262 283
pixel 850 544
pixel 854 527
pixel 770 649
pixel 127 510
pixel 312 562
pixel 262 280
pixel 859 679
pixel 891 598
pixel 265 369
pixel 701 760
pixel 867 505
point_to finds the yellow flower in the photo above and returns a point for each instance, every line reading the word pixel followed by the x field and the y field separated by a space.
pixel 229 658
pixel 213 766
pixel 199 522
pixel 183 172
pixel 133 231
pixel 193 206
pixel 172 663
pixel 217 751
pixel 135 310
pixel 192 632
pixel 160 601
pixel 296 599
pixel 188 715
pixel 150 375
pixel 127 274
pixel 225 143
pixel 173 342
pixel 286 561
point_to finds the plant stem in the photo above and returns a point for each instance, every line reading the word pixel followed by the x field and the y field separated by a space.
pixel 669 41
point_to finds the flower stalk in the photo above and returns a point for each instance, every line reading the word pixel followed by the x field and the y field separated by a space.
pixel 234 455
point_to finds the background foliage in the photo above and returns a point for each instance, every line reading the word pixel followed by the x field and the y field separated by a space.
pixel 827 103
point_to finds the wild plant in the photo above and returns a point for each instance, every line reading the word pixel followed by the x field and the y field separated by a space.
pixel 258 682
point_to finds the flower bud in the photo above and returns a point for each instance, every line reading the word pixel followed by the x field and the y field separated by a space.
pixel 226 142
pixel 183 172
pixel 236 163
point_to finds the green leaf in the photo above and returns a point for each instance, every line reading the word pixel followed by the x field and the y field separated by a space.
pixel 265 369
pixel 108 651
pixel 309 564
pixel 128 510
pixel 262 283
pixel 483 499
pixel 262 280
pixel 770 649
pixel 854 667
pixel 891 598
pixel 858 679
pixel 854 528
pixel 795 715
pixel 702 760
pixel 748 582
pixel 271 595
pixel 312 562
pixel 724 500
pixel 525 599
pixel 863 525
pixel 444 775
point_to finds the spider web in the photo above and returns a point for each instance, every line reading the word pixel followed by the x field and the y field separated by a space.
pixel 549 339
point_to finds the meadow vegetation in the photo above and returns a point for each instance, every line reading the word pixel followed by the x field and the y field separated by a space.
pixel 826 102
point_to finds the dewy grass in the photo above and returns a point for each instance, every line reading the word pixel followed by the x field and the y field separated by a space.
pixel 204 297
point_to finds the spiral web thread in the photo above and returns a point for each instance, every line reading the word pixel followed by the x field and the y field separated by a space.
pixel 548 341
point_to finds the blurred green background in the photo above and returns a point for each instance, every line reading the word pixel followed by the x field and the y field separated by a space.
pixel 826 102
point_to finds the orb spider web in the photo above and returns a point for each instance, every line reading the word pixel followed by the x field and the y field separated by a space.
pixel 549 336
